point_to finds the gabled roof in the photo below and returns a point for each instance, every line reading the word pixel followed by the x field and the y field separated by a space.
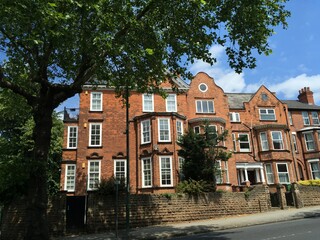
pixel 295 104
pixel 236 100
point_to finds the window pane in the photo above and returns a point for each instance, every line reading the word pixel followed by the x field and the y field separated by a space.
pixel 94 174
pixel 146 172
pixel 96 101
pixel 306 120
pixel 171 103
pixel 164 132
pixel 205 106
pixel 283 173
pixel 147 102
pixel 146 133
pixel 264 141
pixel 73 135
pixel 277 140
pixel 165 168
pixel 267 114
pixel 95 134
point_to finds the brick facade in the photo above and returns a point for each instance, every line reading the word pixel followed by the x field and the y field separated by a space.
pixel 260 136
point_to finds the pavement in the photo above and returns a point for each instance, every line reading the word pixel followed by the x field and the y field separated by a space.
pixel 194 227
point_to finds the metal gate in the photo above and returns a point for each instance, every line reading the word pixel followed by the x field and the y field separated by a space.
pixel 75 213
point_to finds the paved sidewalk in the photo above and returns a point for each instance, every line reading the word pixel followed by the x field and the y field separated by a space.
pixel 189 228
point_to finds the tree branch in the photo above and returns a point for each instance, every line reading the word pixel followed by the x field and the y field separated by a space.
pixel 15 88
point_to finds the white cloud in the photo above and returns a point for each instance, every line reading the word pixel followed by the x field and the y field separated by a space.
pixel 289 89
pixel 224 76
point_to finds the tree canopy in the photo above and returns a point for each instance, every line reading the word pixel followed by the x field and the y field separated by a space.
pixel 51 48
pixel 16 145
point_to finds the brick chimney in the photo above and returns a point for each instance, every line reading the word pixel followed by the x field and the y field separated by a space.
pixel 306 96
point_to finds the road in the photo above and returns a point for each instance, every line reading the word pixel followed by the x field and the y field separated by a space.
pixel 306 229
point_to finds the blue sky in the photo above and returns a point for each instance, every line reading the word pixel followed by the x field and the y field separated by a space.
pixel 294 63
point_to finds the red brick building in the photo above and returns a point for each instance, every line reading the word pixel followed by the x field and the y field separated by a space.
pixel 261 136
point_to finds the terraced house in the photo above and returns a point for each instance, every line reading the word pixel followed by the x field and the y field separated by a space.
pixel 273 141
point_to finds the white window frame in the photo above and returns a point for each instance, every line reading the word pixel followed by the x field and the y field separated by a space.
pixel 280 141
pixel 226 171
pixel 117 171
pixel 145 131
pixel 244 142
pixel 95 172
pixel 287 173
pixel 234 117
pixel 294 141
pixel 91 135
pixel 218 170
pixel 72 137
pixel 181 161
pixel 264 142
pixel 290 118
pixel 200 106
pixel 309 142
pixel 197 129
pixel 269 112
pixel 70 178
pixel 171 103
pixel 161 130
pixel 95 103
pixel 315 118
pixel 234 142
pixel 269 174
pixel 146 172
pixel 161 158
pixel 305 118
pixel 179 128
pixel 314 173
pixel 147 103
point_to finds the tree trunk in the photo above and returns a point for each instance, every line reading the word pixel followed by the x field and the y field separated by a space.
pixel 37 196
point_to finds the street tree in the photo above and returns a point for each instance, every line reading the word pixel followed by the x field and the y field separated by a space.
pixel 201 153
pixel 52 47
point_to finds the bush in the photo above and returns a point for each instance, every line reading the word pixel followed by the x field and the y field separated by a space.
pixel 194 187
pixel 310 182
pixel 108 186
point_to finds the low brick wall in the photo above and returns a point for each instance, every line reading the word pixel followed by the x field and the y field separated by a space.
pixel 152 209
pixel 12 226
pixel 309 195
pixel 168 208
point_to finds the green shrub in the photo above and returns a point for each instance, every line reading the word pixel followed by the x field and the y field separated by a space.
pixel 194 187
pixel 108 186
pixel 310 182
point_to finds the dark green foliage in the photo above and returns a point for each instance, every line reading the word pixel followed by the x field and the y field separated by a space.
pixel 16 146
pixel 194 187
pixel 108 186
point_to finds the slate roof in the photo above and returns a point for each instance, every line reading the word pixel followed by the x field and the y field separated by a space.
pixel 295 104
pixel 236 100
